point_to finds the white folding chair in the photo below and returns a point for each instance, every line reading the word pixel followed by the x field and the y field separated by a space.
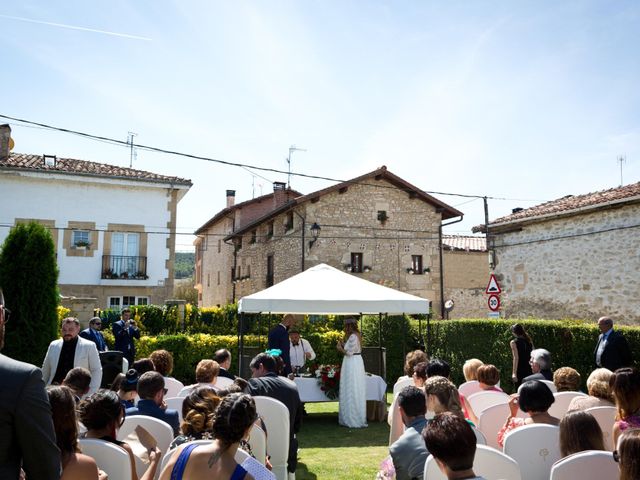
pixel 480 438
pixel 491 421
pixel 167 456
pixel 606 417
pixel 488 463
pixel 485 399
pixel 125 365
pixel 548 383
pixel 276 418
pixel 258 442
pixel 469 388
pixel 396 427
pixel 111 458
pixel 175 403
pixel 161 431
pixel 562 401
pixel 587 465
pixel 222 382
pixel 401 383
pixel 173 386
pixel 535 447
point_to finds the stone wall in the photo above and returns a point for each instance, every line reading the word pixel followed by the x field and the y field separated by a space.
pixel 594 270
pixel 215 262
pixel 466 275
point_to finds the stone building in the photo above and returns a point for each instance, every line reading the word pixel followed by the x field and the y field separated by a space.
pixel 575 257
pixel 377 226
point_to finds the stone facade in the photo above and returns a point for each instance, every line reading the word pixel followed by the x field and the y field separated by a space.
pixel 466 274
pixel 580 265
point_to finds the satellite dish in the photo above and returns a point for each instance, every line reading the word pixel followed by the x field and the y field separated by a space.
pixel 11 143
pixel 448 305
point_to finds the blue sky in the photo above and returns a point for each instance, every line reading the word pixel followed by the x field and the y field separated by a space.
pixel 528 101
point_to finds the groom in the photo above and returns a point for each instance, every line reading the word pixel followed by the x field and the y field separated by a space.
pixel 279 338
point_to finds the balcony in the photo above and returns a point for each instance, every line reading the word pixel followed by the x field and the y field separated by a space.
pixel 116 267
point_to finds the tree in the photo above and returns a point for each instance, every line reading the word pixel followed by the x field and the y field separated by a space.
pixel 29 278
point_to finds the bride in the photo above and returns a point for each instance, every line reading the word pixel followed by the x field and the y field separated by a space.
pixel 353 404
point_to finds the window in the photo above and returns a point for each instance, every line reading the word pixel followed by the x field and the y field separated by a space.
pixel 208 279
pixel 239 243
pixel 356 262
pixel 143 300
pixel 270 271
pixel 127 301
pixel 248 270
pixel 233 274
pixel 270 230
pixel 114 302
pixel 218 277
pixel 416 264
pixel 288 225
pixel 219 245
pixel 80 238
pixel 254 236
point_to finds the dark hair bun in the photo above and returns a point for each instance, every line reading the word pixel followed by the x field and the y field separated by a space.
pixel 235 414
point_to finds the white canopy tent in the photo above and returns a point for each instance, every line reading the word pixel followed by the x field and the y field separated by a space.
pixel 326 290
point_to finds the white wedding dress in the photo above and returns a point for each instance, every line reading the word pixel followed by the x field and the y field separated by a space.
pixel 353 400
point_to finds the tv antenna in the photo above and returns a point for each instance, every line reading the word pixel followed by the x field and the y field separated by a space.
pixel 621 159
pixel 133 152
pixel 292 149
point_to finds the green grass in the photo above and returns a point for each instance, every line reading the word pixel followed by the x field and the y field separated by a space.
pixel 329 451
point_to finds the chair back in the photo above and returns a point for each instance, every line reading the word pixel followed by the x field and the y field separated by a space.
pixel 588 465
pixel 488 463
pixel 167 456
pixel 258 442
pixel 485 399
pixel 173 386
pixel 469 388
pixel 175 403
pixel 111 458
pixel 161 431
pixel 562 401
pixel 223 382
pixel 491 421
pixel 400 384
pixel 480 438
pixel 535 447
pixel 396 426
pixel 275 415
pixel 606 417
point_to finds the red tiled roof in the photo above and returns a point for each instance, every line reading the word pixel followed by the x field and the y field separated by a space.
pixel 571 204
pixel 72 166
pixel 464 242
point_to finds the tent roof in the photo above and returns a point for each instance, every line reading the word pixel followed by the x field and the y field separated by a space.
pixel 323 289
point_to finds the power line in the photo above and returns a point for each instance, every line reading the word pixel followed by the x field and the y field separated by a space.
pixel 235 164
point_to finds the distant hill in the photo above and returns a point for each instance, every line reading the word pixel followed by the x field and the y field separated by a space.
pixel 185 264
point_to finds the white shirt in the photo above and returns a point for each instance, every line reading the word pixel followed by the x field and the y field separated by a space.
pixel 296 353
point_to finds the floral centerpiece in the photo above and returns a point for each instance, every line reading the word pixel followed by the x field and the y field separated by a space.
pixel 329 380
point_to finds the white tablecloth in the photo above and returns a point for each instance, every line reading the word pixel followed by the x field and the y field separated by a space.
pixel 310 390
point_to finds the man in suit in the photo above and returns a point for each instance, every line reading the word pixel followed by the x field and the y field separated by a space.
pixel 409 452
pixel 265 382
pixel 27 438
pixel 71 351
pixel 540 362
pixel 124 331
pixel 151 392
pixel 279 339
pixel 223 357
pixel 612 350
pixel 94 334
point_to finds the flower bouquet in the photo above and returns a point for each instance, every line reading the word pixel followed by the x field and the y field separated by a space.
pixel 387 470
pixel 329 380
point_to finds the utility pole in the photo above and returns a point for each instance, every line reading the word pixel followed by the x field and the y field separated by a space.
pixel 621 159
pixel 133 153
pixel 486 233
pixel 292 149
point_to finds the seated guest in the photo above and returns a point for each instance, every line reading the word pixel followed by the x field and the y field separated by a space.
pixel 420 374
pixel 79 381
pixel 470 368
pixel 567 379
pixel 223 357
pixel 540 365
pixel 488 377
pixel 102 414
pixel 627 454
pixel 452 443
pixel 438 368
pixel 410 361
pixel 75 465
pixel 127 387
pixel 534 398
pixel 598 389
pixel 625 386
pixel 206 376
pixel 151 392
pixel 232 422
pixel 408 452
pixel 197 416
pixel 162 362
pixel 442 396
pixel 143 365
pixel 579 431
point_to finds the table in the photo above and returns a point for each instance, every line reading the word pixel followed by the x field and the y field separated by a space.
pixel 310 392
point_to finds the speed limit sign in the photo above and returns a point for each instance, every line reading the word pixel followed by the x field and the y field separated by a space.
pixel 494 303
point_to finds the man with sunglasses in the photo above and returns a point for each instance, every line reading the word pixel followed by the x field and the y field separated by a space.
pixel 93 333
pixel 151 392
pixel 27 437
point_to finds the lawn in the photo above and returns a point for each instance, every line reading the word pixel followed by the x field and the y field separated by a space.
pixel 329 451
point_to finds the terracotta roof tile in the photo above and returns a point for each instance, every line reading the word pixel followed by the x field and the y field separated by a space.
pixel 464 242
pixel 570 202
pixel 83 167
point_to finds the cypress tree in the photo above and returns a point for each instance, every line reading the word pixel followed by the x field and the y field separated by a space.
pixel 29 278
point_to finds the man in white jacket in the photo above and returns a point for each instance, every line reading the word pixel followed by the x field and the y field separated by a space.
pixel 69 352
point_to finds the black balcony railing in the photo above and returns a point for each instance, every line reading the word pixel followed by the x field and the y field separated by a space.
pixel 125 268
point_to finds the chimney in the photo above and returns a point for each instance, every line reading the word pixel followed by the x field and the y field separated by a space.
pixel 279 194
pixel 5 135
pixel 516 210
pixel 231 198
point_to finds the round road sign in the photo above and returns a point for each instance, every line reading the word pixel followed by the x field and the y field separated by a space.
pixel 494 303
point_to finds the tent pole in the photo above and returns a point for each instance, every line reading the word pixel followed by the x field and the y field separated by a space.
pixel 240 343
pixel 381 359
pixel 404 336
pixel 420 331
pixel 429 333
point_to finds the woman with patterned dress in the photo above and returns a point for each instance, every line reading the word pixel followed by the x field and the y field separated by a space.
pixel 353 402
